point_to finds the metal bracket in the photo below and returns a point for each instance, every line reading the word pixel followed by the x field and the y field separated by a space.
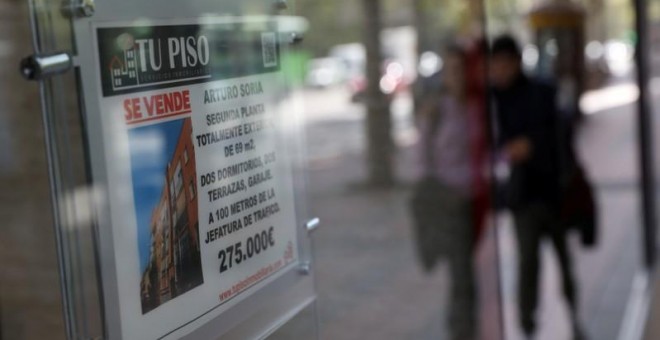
pixel 312 224
pixel 305 268
pixel 79 8
pixel 38 67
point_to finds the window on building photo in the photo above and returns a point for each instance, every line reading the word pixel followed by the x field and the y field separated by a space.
pixel 191 187
pixel 178 180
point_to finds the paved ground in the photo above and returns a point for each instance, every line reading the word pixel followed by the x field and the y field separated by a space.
pixel 652 329
pixel 370 284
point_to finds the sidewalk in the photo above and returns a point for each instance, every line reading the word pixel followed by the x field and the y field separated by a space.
pixel 371 286
pixel 369 281
pixel 652 330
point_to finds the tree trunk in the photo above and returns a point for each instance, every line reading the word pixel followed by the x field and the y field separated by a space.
pixel 420 8
pixel 378 125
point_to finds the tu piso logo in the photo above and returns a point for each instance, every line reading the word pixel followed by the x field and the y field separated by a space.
pixel 159 59
pixel 124 67
pixel 139 58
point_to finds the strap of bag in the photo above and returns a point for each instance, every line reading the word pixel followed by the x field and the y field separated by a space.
pixel 434 126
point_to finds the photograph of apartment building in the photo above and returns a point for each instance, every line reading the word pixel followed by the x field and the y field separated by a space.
pixel 174 264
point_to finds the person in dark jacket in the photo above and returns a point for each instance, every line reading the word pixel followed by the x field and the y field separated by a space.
pixel 527 139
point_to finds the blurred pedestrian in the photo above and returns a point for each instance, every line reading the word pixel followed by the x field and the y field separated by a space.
pixel 527 122
pixel 451 128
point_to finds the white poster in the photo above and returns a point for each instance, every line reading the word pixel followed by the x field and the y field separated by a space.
pixel 200 180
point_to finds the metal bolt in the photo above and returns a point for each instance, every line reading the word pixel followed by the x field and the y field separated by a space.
pixel 312 224
pixel 38 67
pixel 78 8
pixel 305 268
pixel 86 7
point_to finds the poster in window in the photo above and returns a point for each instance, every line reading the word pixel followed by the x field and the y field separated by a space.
pixel 194 114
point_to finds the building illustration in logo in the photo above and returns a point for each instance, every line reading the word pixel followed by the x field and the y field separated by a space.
pixel 124 70
pixel 174 265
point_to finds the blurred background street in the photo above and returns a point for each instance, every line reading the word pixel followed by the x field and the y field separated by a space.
pixel 386 283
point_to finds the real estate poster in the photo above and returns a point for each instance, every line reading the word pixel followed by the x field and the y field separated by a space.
pixel 192 114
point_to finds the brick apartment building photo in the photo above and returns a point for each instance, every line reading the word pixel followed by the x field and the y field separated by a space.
pixel 174 265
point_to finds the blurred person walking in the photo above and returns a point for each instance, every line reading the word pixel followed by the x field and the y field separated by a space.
pixel 527 134
pixel 445 202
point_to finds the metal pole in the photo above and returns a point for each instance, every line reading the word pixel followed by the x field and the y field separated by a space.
pixel 645 137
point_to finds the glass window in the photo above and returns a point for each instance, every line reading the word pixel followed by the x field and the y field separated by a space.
pixel 476 165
